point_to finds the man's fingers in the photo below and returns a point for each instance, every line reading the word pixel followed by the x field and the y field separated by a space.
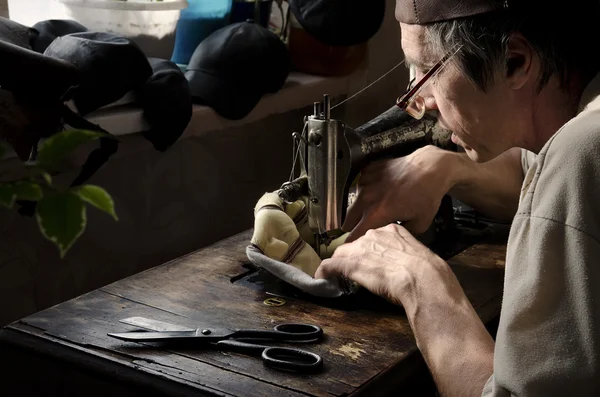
pixel 367 222
pixel 329 268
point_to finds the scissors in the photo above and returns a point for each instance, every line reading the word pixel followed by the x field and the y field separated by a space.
pixel 282 358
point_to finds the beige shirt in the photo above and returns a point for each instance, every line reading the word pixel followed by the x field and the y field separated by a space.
pixel 548 341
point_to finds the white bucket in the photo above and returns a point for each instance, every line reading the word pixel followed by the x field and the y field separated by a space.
pixel 150 24
pixel 30 12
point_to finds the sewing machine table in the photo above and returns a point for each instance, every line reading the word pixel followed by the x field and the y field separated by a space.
pixel 370 351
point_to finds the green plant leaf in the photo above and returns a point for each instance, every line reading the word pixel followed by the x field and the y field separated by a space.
pixel 47 177
pixel 7 195
pixel 60 145
pixel 62 219
pixel 27 190
pixel 98 197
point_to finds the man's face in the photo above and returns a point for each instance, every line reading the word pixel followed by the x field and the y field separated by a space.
pixel 478 119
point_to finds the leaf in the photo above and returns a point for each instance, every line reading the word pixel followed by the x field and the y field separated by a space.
pixel 7 195
pixel 27 190
pixel 98 197
pixel 60 145
pixel 62 219
pixel 47 178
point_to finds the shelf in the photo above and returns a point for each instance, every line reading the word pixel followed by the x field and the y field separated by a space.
pixel 299 91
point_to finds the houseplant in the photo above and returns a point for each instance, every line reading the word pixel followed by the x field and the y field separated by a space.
pixel 61 211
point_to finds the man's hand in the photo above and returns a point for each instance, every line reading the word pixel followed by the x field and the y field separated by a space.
pixel 407 189
pixel 410 189
pixel 391 263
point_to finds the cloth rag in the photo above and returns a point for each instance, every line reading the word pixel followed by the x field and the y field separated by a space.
pixel 282 244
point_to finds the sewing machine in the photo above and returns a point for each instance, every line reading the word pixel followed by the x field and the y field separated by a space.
pixel 332 154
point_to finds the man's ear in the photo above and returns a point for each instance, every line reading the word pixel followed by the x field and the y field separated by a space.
pixel 520 60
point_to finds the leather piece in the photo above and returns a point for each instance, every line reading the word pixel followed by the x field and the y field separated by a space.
pixel 427 11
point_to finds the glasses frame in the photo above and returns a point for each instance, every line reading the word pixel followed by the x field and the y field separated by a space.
pixel 411 95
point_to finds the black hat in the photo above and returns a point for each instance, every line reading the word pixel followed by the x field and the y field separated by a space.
pixel 235 66
pixel 15 33
pixel 110 66
pixel 50 29
pixel 34 77
pixel 167 103
pixel 339 22
pixel 427 11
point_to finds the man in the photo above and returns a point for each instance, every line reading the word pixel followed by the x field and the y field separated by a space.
pixel 514 75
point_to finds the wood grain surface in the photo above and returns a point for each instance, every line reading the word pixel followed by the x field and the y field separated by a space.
pixel 368 347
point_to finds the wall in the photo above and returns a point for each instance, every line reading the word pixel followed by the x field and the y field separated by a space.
pixel 4 8
pixel 384 53
pixel 200 191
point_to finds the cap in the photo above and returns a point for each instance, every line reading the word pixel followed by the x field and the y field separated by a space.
pixel 339 22
pixel 110 66
pixel 15 33
pixel 235 66
pixel 167 103
pixel 50 29
pixel 34 77
pixel 427 11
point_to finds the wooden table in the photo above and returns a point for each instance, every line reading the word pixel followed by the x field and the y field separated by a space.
pixel 368 347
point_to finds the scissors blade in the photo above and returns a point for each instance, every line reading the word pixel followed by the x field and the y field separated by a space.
pixel 154 325
pixel 155 336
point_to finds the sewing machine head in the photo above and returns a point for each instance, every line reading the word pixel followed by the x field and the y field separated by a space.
pixel 331 155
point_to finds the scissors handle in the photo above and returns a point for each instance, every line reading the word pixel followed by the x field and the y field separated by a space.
pixel 282 358
pixel 284 332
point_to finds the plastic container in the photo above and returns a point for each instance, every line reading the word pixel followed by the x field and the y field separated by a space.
pixel 197 22
pixel 150 24
pixel 30 12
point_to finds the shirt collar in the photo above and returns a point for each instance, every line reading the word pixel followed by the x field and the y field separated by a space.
pixel 590 93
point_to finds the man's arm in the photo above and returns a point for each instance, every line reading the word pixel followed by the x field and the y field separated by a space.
pixel 455 344
pixel 492 188
pixel 410 189
pixel 391 263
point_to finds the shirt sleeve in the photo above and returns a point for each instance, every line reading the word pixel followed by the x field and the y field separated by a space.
pixel 527 159
pixel 548 339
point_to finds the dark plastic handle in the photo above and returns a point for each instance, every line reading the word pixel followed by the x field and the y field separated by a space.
pixel 281 358
pixel 284 332
pixel 290 359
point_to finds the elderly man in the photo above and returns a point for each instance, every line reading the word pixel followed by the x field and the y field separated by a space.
pixel 516 83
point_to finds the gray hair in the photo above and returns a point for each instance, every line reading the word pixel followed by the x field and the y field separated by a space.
pixel 565 46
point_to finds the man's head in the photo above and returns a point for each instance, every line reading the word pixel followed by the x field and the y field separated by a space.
pixel 518 71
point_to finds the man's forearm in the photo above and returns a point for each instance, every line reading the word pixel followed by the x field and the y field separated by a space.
pixel 454 342
pixel 491 188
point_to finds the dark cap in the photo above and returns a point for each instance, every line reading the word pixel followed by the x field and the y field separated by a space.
pixel 427 11
pixel 339 22
pixel 34 77
pixel 110 66
pixel 167 103
pixel 51 29
pixel 235 66
pixel 15 33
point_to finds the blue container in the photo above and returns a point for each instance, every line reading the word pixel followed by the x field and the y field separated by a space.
pixel 198 21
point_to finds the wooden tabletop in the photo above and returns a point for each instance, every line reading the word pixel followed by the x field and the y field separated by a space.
pixel 367 349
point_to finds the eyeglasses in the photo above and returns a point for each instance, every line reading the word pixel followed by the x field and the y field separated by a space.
pixel 411 102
